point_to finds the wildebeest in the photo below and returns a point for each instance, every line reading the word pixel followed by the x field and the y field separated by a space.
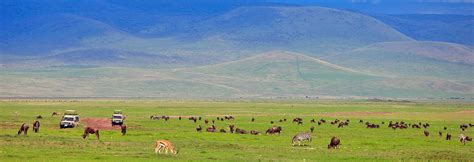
pixel 36 126
pixel 311 129
pixel 415 126
pixel 335 142
pixel 300 138
pixel 199 128
pixel 90 130
pixel 211 129
pixel 271 122
pixel 231 128
pixel 164 145
pixel 298 120
pixel 229 117
pixel 213 121
pixel 39 117
pixel 253 119
pixel 55 113
pixel 448 136
pixel 445 128
pixel 440 134
pixel 254 132
pixel 274 130
pixel 155 117
pixel 222 130
pixel 206 121
pixel 240 131
pixel 179 117
pixel 426 133
pixel 372 125
pixel 23 128
pixel 123 128
pixel 463 139
pixel 463 126
pixel 313 121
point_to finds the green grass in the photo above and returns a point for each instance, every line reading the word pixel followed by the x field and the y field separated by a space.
pixel 358 142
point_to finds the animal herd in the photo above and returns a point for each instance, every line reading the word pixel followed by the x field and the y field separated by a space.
pixel 164 146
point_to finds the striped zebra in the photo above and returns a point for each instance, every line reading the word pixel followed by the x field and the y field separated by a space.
pixel 301 137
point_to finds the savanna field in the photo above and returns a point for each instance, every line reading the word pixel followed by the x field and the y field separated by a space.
pixel 358 142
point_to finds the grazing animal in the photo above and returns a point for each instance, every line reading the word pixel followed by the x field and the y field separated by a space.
pixel 311 129
pixel 222 130
pixel 211 129
pixel 206 121
pixel 23 128
pixel 463 139
pixel 123 128
pixel 253 119
pixel 298 120
pixel 231 128
pixel 164 145
pixel 274 130
pixel 319 123
pixel 240 131
pixel 90 130
pixel 448 136
pixel 445 128
pixel 361 121
pixel 335 142
pixel 36 126
pixel 55 113
pixel 313 121
pixel 271 122
pixel 254 132
pixel 213 121
pixel 440 134
pixel 300 138
pixel 463 126
pixel 179 117
pixel 199 128
pixel 39 117
pixel 426 133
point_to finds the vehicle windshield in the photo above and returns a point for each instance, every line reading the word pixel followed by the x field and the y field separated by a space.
pixel 68 119
pixel 117 117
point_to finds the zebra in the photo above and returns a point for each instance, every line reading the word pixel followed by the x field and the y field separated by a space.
pixel 301 137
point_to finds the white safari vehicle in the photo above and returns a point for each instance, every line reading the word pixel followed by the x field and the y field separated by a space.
pixel 69 120
pixel 117 118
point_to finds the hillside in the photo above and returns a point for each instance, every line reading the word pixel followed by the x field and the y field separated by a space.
pixel 411 59
pixel 271 74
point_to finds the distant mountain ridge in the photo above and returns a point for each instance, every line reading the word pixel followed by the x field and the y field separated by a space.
pixel 117 49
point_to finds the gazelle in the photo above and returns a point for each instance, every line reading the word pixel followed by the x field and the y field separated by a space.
pixel 165 145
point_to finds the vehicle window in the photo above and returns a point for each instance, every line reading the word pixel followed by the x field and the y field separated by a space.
pixel 68 119
pixel 117 117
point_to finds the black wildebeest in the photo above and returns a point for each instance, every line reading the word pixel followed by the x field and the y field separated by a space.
pixel 426 133
pixel 39 117
pixel 253 119
pixel 274 130
pixel 445 128
pixel 90 130
pixel 335 142
pixel 222 130
pixel 448 136
pixel 23 128
pixel 271 122
pixel 199 128
pixel 123 128
pixel 313 121
pixel 311 129
pixel 36 126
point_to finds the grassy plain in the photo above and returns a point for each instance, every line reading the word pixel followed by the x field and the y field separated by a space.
pixel 358 142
